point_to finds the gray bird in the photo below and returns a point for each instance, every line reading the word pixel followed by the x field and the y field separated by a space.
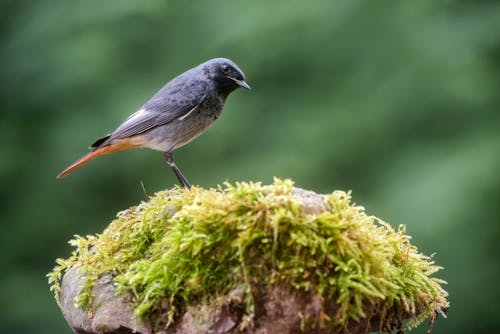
pixel 178 113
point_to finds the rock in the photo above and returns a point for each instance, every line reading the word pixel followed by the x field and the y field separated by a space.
pixel 276 308
pixel 314 203
pixel 113 313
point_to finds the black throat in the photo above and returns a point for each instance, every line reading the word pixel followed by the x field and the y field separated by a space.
pixel 225 86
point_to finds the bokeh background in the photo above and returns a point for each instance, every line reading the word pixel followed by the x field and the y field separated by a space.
pixel 397 101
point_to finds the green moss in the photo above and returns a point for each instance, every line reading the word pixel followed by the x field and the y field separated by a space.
pixel 193 245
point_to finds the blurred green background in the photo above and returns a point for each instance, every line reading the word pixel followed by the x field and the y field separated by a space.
pixel 397 101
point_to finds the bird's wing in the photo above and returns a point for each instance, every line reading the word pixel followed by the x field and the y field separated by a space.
pixel 174 101
pixel 144 120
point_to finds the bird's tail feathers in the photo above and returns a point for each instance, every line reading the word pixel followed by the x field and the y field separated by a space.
pixel 95 145
pixel 117 145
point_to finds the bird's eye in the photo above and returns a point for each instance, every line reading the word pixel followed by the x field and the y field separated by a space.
pixel 226 69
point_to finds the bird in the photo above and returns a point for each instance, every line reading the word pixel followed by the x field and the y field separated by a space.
pixel 174 116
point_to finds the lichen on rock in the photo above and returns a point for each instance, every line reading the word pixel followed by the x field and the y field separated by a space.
pixel 236 248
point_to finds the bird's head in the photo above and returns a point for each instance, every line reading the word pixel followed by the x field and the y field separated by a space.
pixel 226 75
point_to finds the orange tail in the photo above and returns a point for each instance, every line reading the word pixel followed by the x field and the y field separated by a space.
pixel 118 145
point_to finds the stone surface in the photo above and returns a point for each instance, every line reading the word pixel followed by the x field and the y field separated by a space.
pixel 314 203
pixel 114 314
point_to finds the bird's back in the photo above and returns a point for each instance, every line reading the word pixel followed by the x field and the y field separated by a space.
pixel 187 88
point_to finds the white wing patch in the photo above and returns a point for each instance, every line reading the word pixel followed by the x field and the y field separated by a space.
pixel 138 114
pixel 189 113
pixel 183 117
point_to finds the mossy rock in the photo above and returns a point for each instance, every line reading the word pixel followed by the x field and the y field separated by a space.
pixel 247 258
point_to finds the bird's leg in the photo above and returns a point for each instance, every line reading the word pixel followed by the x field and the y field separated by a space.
pixel 169 157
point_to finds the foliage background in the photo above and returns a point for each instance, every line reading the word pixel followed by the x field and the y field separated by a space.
pixel 397 101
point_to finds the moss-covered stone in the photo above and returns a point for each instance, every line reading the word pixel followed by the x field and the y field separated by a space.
pixel 193 246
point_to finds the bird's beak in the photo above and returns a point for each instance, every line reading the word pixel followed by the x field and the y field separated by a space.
pixel 241 83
